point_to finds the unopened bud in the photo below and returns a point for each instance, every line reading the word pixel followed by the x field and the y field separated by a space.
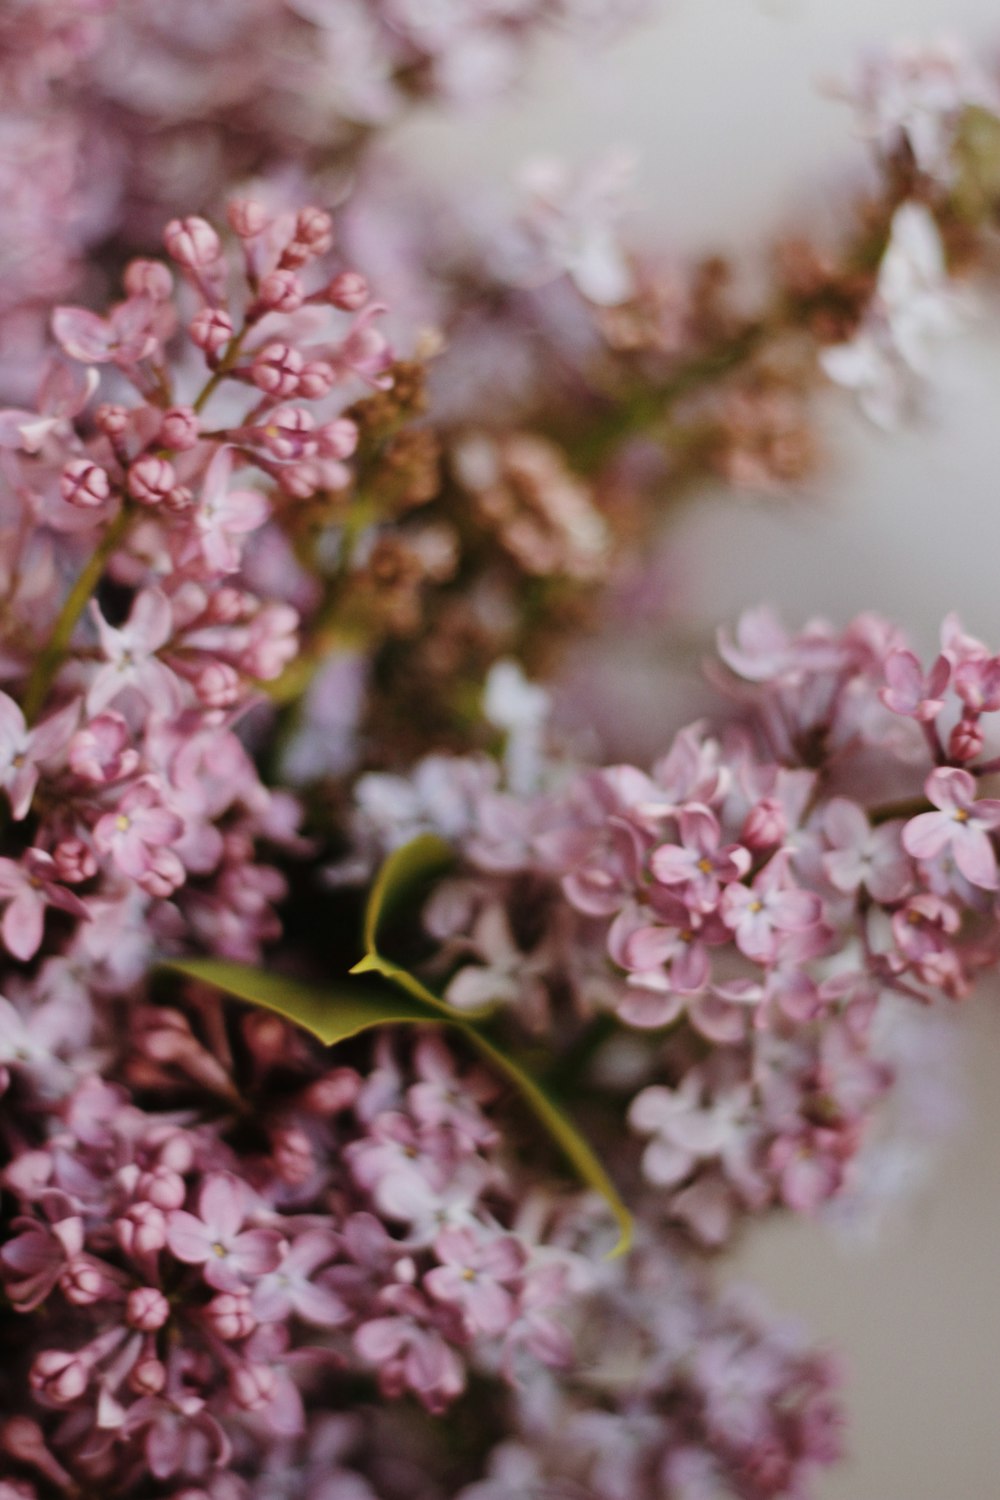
pixel 84 484
pixel 317 378
pixel 246 217
pixel 146 1309
pixel 150 479
pixel 74 860
pixel 253 1386
pixel 147 1377
pixel 966 740
pixel 230 1316
pixel 148 278
pixel 180 427
pixel 276 369
pixel 58 1376
pixel 142 1231
pixel 280 291
pixel 211 330
pixel 765 825
pixel 348 291
pixel 192 242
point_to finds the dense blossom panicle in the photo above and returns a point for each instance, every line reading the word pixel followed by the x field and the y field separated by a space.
pixel 760 894
pixel 368 1228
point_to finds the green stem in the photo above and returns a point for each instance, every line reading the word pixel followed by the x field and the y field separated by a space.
pixel 51 657
pixel 909 807
pixel 222 369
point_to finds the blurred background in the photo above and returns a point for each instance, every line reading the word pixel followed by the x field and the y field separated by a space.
pixel 735 139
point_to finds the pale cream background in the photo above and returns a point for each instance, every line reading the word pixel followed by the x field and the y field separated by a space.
pixel 734 140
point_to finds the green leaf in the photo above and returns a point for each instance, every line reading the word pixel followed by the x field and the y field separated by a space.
pixel 403 874
pixel 337 1012
pixel 560 1127
pixel 333 1013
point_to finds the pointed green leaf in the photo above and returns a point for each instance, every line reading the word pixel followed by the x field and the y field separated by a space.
pixel 333 1013
pixel 405 871
pixel 560 1127
pixel 340 1011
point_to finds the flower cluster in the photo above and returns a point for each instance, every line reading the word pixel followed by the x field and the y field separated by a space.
pixel 247 542
pixel 136 808
pixel 718 1403
pixel 204 1273
pixel 751 904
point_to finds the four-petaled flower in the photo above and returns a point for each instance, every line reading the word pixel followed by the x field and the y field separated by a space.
pixel 961 823
pixel 215 1237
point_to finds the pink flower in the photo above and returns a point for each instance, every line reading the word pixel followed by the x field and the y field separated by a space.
pixel 410 1355
pixel 289 1288
pixel 223 515
pixel 962 824
pixel 476 1275
pixel 23 750
pixel 131 656
pixel 687 1129
pixel 216 1240
pixel 911 694
pixel 126 336
pixel 100 751
pixel 699 863
pixel 29 886
pixel 135 833
pixel 759 913
pixel 864 856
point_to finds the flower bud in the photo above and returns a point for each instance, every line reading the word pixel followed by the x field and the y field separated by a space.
pixel 180 428
pixel 292 1157
pixel 253 1386
pixel 246 217
pixel 313 232
pixel 192 242
pixel 83 1283
pixel 338 439
pixel 161 1187
pixel 966 740
pixel 288 433
pixel 142 1231
pixel 176 1151
pixel 58 1376
pixel 211 330
pixel 348 291
pixel 74 860
pixel 179 500
pixel 147 1377
pixel 217 685
pixel 146 1309
pixel 329 1095
pixel 111 420
pixel 151 479
pixel 227 605
pixel 300 481
pixel 317 379
pixel 280 291
pixel 765 825
pixel 84 484
pixel 230 1316
pixel 276 369
pixel 148 278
